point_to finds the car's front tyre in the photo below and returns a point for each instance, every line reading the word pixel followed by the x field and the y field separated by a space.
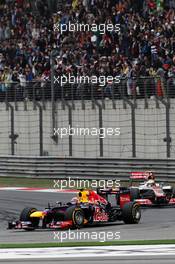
pixel 25 217
pixel 75 214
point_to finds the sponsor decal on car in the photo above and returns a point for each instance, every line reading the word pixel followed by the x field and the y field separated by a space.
pixel 100 216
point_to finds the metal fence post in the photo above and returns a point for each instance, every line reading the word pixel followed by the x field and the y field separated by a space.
pixel 133 131
pixel 145 94
pixel 12 136
pixel 101 126
pixel 123 83
pixel 82 98
pixel 54 125
pixel 133 107
pixel 40 127
pixel 167 139
pixel 70 136
pixel 100 107
pixel 113 98
pixel 70 125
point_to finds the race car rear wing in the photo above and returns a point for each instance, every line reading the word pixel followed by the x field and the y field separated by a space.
pixel 139 175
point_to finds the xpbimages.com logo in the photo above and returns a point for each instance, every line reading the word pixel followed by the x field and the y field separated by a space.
pixel 78 235
pixel 77 183
pixel 77 27
pixel 100 80
pixel 80 131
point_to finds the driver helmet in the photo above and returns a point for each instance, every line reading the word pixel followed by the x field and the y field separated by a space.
pixel 83 196
pixel 150 182
pixel 150 175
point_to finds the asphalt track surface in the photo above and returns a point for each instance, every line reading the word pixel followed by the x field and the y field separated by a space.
pixel 156 223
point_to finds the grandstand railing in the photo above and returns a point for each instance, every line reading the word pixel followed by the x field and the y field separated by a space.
pixel 133 88
pixel 84 168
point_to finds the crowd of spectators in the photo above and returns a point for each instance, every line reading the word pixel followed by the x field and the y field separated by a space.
pixel 143 48
pixel 26 40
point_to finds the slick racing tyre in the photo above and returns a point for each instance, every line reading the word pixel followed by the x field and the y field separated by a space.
pixel 173 192
pixel 131 213
pixel 25 216
pixel 134 194
pixel 76 215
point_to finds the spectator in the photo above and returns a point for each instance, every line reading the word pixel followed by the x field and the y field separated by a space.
pixel 6 79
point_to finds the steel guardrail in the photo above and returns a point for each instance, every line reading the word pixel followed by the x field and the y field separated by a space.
pixel 84 168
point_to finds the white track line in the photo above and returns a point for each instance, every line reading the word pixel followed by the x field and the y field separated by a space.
pixel 37 190
pixel 80 252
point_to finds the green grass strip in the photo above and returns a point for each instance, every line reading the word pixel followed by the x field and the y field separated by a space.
pixel 49 183
pixel 82 244
pixel 26 182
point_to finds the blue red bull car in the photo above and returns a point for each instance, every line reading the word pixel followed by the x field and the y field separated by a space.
pixel 88 208
pixel 149 193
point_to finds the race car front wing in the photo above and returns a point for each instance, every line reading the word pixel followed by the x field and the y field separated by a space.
pixel 27 225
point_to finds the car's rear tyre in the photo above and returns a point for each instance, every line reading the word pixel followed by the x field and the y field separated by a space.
pixel 173 192
pixel 131 213
pixel 134 194
pixel 75 214
pixel 25 216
